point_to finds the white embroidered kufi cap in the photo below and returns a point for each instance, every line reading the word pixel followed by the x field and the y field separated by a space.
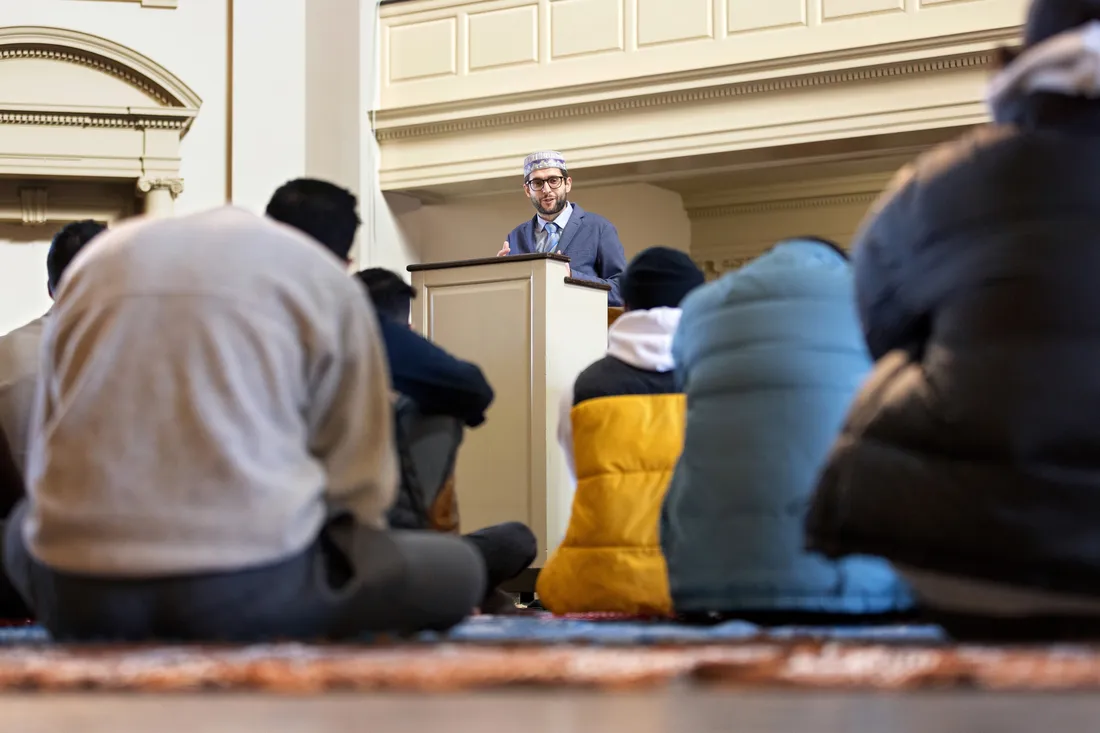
pixel 542 160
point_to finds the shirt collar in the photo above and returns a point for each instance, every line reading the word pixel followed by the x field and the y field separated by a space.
pixel 561 219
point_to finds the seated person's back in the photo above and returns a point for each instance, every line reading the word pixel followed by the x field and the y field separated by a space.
pixel 217 455
pixel 439 394
pixel 19 350
pixel 622 429
pixel 971 458
pixel 769 357
pixel 439 385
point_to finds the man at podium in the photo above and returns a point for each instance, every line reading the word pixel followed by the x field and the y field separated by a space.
pixel 590 241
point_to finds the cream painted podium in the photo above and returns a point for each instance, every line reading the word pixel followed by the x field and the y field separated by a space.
pixel 531 329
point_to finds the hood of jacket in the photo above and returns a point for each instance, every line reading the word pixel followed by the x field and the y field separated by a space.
pixel 643 338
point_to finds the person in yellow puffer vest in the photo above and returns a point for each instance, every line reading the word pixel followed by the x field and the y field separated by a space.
pixel 622 430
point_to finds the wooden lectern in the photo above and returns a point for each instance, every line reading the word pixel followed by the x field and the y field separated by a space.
pixel 531 329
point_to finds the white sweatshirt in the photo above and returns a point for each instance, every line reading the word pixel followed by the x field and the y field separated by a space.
pixel 642 339
pixel 212 385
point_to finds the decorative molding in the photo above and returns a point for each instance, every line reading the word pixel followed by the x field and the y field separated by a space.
pixel 544 115
pixel 168 119
pixel 790 204
pixel 34 201
pixel 172 185
pixel 60 44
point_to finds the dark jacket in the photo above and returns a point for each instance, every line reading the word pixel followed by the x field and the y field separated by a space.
pixel 621 436
pixel 590 242
pixel 611 377
pixel 437 382
pixel 974 447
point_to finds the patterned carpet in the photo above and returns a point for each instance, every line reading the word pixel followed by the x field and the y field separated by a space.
pixel 539 651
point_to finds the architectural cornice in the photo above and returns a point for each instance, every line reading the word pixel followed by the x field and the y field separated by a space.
pixel 542 115
pixel 149 118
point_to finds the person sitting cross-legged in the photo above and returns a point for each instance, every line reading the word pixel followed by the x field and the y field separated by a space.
pixel 971 457
pixel 622 429
pixel 769 357
pixel 19 350
pixel 441 396
pixel 211 451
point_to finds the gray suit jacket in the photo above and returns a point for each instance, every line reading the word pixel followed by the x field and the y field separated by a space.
pixel 590 242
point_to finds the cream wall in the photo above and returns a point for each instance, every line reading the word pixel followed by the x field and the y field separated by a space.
pixel 305 75
pixel 467 228
pixel 385 241
pixel 269 98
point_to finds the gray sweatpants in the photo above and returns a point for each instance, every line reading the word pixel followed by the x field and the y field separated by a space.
pixel 352 581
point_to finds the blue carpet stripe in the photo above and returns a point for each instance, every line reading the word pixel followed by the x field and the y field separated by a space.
pixel 549 630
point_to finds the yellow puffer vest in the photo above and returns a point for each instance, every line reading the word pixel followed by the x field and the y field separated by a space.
pixel 625 448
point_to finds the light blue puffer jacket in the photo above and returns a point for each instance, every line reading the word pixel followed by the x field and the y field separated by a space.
pixel 770 357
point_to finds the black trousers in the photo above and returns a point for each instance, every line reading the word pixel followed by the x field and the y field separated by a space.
pixel 507 549
pixel 352 581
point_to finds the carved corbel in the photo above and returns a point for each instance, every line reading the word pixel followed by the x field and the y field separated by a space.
pixel 173 185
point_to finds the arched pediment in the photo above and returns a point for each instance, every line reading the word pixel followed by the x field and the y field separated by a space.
pixel 66 73
pixel 77 105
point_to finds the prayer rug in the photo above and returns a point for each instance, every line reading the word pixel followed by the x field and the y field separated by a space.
pixel 541 651
pixel 448 667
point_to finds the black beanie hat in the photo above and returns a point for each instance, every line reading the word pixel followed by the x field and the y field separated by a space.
pixel 1048 18
pixel 659 277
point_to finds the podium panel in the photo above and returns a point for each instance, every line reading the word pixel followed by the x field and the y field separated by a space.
pixel 490 475
pixel 531 329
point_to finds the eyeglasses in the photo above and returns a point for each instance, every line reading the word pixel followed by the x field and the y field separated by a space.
pixel 537 184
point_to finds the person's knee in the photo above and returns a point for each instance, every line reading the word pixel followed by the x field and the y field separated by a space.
pixel 523 541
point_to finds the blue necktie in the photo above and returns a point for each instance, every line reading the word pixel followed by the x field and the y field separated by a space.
pixel 553 236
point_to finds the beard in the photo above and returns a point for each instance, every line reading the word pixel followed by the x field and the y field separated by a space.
pixel 553 210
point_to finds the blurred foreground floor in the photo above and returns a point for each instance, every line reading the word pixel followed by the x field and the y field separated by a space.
pixel 668 711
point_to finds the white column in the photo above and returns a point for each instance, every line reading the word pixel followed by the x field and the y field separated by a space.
pixel 160 195
pixel 384 239
pixel 269 98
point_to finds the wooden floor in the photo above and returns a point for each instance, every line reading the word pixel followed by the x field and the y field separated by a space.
pixel 680 711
